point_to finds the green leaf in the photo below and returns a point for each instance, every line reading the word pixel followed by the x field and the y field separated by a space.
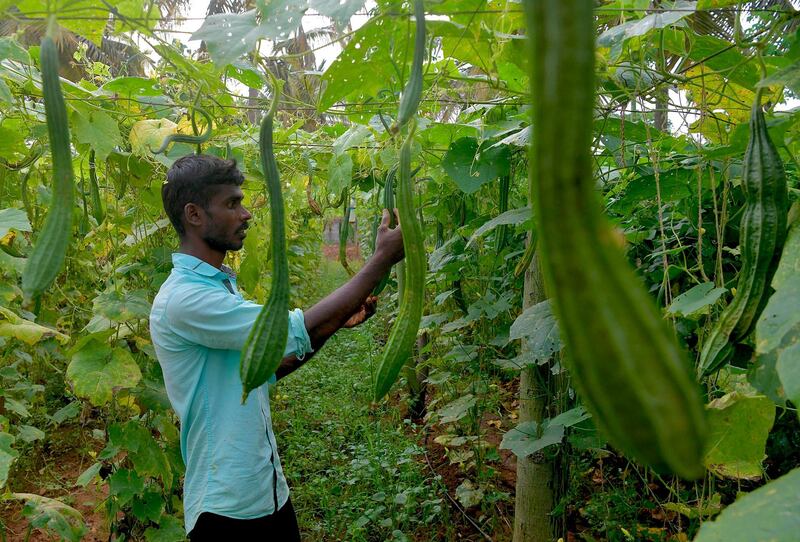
pixel 245 73
pixel 29 433
pixel 13 219
pixel 66 413
pixel 696 301
pixel 714 4
pixel 469 495
pixel 122 306
pixel 770 513
pixel 514 216
pixel 470 167
pixel 89 474
pixel 738 429
pixel 787 77
pixel 170 529
pixel 538 326
pixel 616 36
pixel 10 49
pixel 5 93
pixel 96 370
pixel 97 129
pixel 133 86
pixel 125 484
pixel 340 171
pixel 228 36
pixel 7 456
pixel 457 409
pixel 337 10
pixel 282 17
pixel 144 451
pixel 364 67
pixel 525 439
pixel 778 327
pixel 149 506
pixel 353 137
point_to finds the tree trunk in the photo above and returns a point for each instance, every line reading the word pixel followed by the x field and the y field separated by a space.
pixel 535 473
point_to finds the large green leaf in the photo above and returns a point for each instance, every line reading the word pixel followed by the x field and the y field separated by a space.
pixel 364 67
pixel 170 529
pixel 228 36
pixel 133 86
pixel 696 301
pixel 768 514
pixel 97 129
pixel 122 306
pixel 615 37
pixel 529 437
pixel 537 325
pixel 471 167
pixel 124 484
pixel 7 456
pixel 738 427
pixel 340 171
pixel 778 327
pixel 13 218
pixel 336 9
pixel 457 409
pixel 97 369
pixel 514 216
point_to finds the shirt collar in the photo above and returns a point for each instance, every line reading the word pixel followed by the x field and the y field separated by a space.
pixel 192 263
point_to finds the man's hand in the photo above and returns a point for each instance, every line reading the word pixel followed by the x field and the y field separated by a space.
pixel 389 242
pixel 363 313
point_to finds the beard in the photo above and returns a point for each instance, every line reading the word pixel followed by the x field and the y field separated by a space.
pixel 220 242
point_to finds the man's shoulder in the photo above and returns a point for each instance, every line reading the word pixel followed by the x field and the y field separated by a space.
pixel 181 288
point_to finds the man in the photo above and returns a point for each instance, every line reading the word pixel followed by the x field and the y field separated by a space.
pixel 234 486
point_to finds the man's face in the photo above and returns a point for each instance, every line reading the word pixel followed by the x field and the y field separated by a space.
pixel 227 219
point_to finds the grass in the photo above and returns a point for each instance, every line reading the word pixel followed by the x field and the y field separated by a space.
pixel 354 470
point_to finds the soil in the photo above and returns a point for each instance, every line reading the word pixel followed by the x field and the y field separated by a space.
pixel 53 475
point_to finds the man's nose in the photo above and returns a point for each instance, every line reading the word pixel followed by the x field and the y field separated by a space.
pixel 246 214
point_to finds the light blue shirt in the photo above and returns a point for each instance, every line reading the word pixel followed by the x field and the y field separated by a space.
pixel 199 323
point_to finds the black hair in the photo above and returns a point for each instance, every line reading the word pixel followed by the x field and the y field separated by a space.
pixel 195 179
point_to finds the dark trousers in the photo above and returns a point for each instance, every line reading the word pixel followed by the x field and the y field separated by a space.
pixel 278 527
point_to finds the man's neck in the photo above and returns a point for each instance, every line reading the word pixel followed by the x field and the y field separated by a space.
pixel 204 252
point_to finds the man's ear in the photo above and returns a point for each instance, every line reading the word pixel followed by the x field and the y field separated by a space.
pixel 193 214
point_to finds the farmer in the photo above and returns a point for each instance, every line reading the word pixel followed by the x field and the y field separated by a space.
pixel 234 488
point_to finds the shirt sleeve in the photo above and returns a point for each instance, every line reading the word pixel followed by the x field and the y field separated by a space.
pixel 216 319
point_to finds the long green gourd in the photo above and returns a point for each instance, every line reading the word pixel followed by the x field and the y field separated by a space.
pixel 411 272
pixel 47 257
pixel 762 233
pixel 624 360
pixel 401 341
pixel 409 100
pixel 263 350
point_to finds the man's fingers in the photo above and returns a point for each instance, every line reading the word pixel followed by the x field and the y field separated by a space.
pixel 385 219
pixel 397 215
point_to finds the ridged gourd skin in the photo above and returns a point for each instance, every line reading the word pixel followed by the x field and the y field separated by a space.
pixel 623 359
pixel 263 350
pixel 409 100
pixel 762 233
pixel 47 257
pixel 401 341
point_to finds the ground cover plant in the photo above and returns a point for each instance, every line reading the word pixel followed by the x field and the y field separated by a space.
pixel 594 335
